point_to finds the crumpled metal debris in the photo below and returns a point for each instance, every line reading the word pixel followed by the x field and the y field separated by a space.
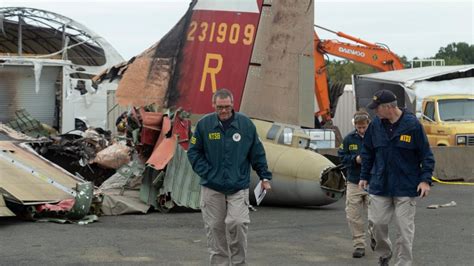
pixel 70 210
pixel 85 220
pixel 76 150
pixel 436 206
pixel 121 190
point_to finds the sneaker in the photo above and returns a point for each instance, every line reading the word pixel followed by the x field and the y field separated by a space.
pixel 358 253
pixel 383 261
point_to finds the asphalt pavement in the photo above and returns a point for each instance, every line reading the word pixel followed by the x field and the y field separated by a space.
pixel 277 236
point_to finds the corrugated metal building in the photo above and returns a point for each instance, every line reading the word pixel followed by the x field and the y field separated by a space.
pixel 345 110
pixel 46 62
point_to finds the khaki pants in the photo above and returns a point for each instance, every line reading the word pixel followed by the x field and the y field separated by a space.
pixel 226 220
pixel 356 213
pixel 381 211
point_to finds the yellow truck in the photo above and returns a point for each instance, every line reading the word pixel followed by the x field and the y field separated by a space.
pixel 448 119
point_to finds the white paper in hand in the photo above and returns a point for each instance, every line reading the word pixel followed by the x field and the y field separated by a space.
pixel 259 192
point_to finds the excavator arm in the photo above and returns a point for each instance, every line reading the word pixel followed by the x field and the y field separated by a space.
pixel 321 88
pixel 377 56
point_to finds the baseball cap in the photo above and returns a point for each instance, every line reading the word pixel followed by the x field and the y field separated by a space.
pixel 380 97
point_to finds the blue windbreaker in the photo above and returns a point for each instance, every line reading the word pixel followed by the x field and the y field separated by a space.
pixel 350 148
pixel 395 166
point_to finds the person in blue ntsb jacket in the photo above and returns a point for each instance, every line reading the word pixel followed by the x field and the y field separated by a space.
pixel 356 198
pixel 223 147
pixel 397 165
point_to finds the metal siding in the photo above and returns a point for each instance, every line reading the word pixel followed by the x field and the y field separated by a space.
pixel 17 90
pixel 181 181
pixel 345 110
pixel 365 89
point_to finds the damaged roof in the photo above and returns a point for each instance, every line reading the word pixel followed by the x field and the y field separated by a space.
pixel 35 32
pixel 411 75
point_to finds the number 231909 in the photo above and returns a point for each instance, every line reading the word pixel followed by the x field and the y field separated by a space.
pixel 221 32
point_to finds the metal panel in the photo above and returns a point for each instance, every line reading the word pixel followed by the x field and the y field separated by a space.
pixel 4 211
pixel 217 53
pixel 29 178
pixel 345 111
pixel 365 89
pixel 306 91
pixel 145 82
pixel 272 90
pixel 181 181
pixel 114 110
pixel 17 90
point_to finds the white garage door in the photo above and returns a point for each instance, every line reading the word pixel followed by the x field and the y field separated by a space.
pixel 17 91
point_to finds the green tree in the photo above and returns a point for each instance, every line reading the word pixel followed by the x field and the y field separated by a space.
pixel 456 53
pixel 342 70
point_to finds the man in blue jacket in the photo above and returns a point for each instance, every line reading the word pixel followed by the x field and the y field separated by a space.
pixel 224 146
pixel 397 165
pixel 356 198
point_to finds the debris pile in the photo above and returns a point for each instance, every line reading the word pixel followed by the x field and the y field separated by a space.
pixel 34 188
pixel 72 176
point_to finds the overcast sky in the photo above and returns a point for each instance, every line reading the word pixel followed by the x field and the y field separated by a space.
pixel 411 28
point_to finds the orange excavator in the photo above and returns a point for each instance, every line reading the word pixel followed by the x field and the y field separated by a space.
pixel 375 55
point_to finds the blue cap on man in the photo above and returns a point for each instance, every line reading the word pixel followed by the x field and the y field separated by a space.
pixel 381 97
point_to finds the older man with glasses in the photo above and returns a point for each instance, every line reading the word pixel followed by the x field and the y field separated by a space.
pixel 223 147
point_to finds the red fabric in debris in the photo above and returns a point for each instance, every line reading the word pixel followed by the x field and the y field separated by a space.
pixel 64 205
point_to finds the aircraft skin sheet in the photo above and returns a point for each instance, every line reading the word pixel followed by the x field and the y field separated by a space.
pixel 17 181
pixel 146 79
pixel 219 43
pixel 273 90
pixel 4 211
pixel 209 48
pixel 145 82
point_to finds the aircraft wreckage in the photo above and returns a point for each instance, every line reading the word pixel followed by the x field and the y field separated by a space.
pixel 261 53
pixel 257 52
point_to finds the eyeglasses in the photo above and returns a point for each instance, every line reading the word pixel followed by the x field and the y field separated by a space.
pixel 223 107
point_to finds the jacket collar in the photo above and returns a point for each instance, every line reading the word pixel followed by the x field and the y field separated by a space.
pixel 355 134
pixel 407 123
pixel 235 123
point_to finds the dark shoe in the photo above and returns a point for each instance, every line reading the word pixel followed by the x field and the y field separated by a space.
pixel 358 253
pixel 383 261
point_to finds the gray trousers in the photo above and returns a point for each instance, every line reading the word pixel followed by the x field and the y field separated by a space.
pixel 226 220
pixel 356 213
pixel 381 212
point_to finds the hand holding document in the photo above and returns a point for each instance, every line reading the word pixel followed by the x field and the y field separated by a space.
pixel 259 192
